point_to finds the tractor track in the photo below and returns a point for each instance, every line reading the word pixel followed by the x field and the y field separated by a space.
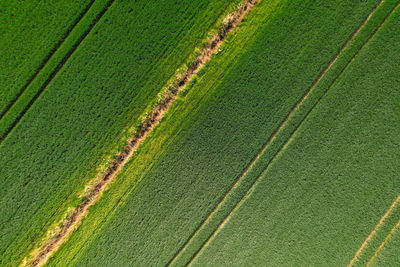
pixel 373 232
pixel 394 229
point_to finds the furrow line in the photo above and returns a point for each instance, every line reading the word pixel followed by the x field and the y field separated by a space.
pixel 271 140
pixel 51 244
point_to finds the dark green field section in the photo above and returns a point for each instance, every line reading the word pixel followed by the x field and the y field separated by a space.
pixel 30 32
pixel 211 134
pixel 329 186
pixel 88 108
pixel 54 61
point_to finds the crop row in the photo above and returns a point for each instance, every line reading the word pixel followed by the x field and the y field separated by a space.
pixel 278 139
pixel 388 253
pixel 377 236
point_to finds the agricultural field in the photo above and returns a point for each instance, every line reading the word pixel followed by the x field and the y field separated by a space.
pixel 389 253
pixel 21 98
pixel 207 133
pixel 29 35
pixel 84 114
pixel 338 174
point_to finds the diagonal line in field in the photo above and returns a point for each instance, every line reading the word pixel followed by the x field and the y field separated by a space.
pixel 373 232
pixel 60 65
pixel 394 229
pixel 219 205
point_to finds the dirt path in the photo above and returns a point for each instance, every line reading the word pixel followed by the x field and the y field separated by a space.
pixel 72 221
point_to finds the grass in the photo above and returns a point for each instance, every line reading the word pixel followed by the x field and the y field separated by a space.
pixel 30 33
pixel 82 116
pixel 329 186
pixel 170 187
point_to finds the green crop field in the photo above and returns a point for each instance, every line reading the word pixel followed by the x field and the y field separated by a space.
pixel 30 33
pixel 31 90
pixel 207 133
pixel 389 254
pixel 88 108
pixel 325 191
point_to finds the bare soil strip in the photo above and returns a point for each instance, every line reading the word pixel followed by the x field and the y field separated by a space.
pixel 373 232
pixel 396 227
pixel 271 139
pixel 56 70
pixel 51 244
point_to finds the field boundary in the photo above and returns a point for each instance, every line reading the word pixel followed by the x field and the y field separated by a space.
pixel 73 219
pixel 373 232
pixel 55 62
pixel 47 58
pixel 394 229
pixel 230 194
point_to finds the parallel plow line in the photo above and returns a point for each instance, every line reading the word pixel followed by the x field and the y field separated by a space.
pixel 51 244
pixel 290 119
